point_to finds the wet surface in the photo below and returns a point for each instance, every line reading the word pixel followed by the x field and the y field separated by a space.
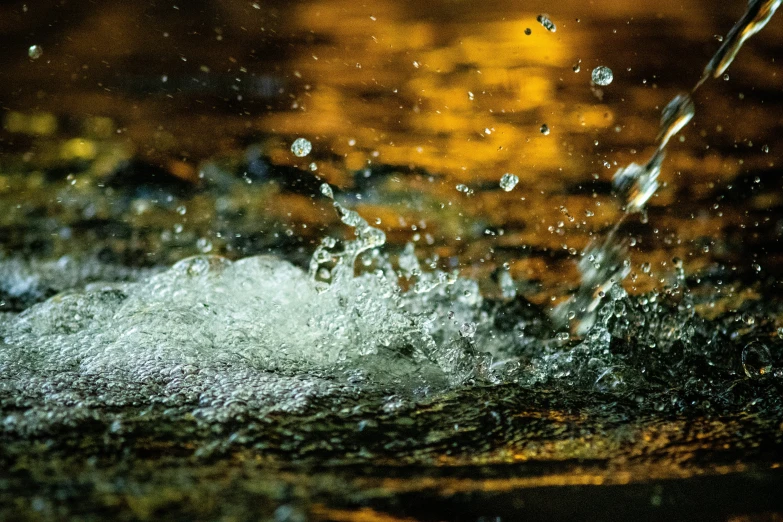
pixel 145 133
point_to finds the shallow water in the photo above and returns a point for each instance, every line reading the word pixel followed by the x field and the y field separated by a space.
pixel 390 344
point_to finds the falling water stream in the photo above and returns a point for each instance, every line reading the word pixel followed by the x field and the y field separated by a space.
pixel 605 262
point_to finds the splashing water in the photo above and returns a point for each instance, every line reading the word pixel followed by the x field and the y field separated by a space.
pixel 258 331
pixel 607 258
pixel 212 334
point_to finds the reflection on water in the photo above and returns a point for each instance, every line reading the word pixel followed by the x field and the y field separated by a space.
pixel 402 99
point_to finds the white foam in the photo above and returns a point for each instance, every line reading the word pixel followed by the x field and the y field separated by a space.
pixel 212 333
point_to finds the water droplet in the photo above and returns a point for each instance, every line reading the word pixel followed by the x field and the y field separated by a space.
pixel 748 319
pixel 528 31
pixel 756 360
pixel 35 52
pixel 326 190
pixel 602 75
pixel 313 166
pixel 726 77
pixel 204 245
pixel 617 292
pixel 463 188
pixel 508 181
pixel 548 24
pixel 577 67
pixel 563 336
pixel 467 330
pixel 301 147
pixel 545 129
pixel 507 286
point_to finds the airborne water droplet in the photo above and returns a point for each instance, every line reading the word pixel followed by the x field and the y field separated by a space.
pixel 467 330
pixel 326 190
pixel 507 286
pixel 602 75
pixel 301 147
pixel 545 129
pixel 35 52
pixel 508 181
pixel 548 24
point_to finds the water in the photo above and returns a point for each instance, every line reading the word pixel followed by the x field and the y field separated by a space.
pixel 35 52
pixel 301 147
pixel 602 76
pixel 607 259
pixel 509 181
pixel 757 15
pixel 396 325
pixel 548 24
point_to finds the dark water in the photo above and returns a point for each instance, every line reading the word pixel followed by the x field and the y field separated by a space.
pixel 145 133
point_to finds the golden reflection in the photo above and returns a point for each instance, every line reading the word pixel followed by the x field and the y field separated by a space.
pixel 432 96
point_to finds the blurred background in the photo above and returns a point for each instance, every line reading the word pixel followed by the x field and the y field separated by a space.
pixel 138 133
